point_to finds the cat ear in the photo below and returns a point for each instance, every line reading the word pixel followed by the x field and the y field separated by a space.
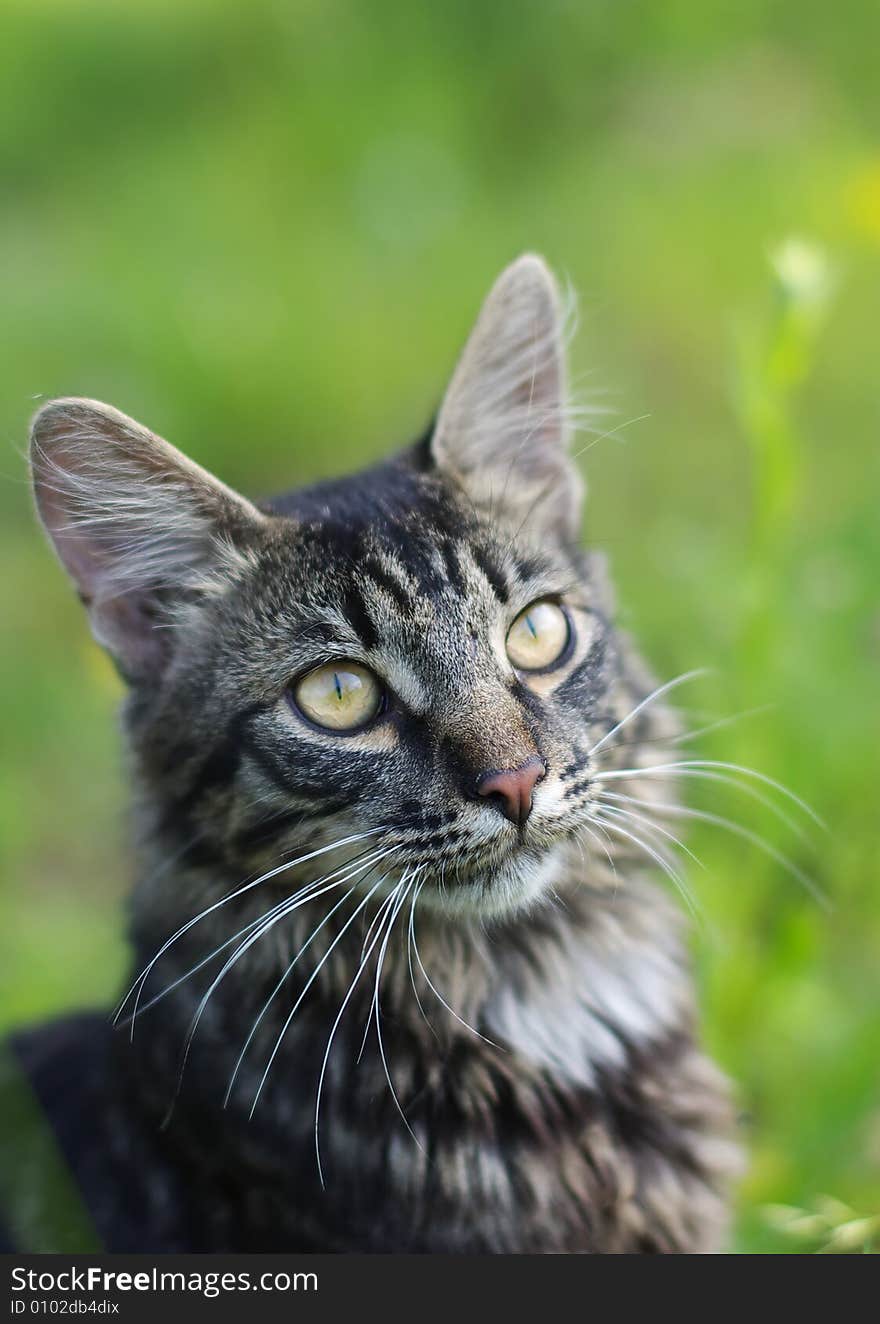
pixel 140 528
pixel 502 430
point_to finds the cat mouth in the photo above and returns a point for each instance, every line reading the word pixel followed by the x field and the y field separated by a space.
pixel 462 852
pixel 489 866
pixel 491 886
pixel 483 866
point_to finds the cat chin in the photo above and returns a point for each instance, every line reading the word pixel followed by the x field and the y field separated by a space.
pixel 501 891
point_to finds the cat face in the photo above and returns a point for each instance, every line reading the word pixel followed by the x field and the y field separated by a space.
pixel 416 661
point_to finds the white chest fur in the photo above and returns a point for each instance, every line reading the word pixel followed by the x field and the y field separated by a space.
pixel 598 992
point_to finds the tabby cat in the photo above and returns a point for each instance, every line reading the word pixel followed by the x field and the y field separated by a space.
pixel 403 981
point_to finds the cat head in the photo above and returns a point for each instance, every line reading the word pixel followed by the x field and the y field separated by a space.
pixel 415 661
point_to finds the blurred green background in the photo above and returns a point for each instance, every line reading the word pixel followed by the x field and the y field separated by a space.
pixel 264 230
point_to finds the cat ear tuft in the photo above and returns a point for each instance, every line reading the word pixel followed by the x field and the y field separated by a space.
pixel 503 431
pixel 139 527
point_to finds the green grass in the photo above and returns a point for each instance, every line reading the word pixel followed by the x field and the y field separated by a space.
pixel 265 229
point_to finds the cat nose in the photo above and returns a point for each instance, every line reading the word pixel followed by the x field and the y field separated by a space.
pixel 511 789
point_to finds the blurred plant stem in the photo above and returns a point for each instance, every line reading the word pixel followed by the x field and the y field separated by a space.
pixel 773 363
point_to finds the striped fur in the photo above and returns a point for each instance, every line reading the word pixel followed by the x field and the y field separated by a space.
pixel 541 1046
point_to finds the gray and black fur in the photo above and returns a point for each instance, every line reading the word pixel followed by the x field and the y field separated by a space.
pixel 530 1078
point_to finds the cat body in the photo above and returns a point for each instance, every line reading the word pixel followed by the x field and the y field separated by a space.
pixel 402 979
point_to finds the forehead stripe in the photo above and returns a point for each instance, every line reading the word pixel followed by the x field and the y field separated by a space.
pixel 491 572
pixel 393 587
pixel 452 564
pixel 359 618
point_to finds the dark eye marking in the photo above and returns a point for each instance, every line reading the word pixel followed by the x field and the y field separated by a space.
pixel 585 685
pixel 218 768
pixel 267 829
pixel 287 781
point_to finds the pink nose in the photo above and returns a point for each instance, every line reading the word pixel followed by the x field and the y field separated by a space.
pixel 512 788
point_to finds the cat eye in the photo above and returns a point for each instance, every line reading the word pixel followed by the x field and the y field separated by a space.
pixel 539 637
pixel 341 696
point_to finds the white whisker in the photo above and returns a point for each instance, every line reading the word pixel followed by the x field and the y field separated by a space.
pixel 317 970
pixel 745 788
pixel 647 822
pixel 379 963
pixel 660 858
pixel 651 698
pixel 271 920
pixel 720 724
pixel 685 765
pixel 754 838
pixel 439 996
pixel 381 915
pixel 375 919
pixel 594 835
pixel 345 1001
pixel 246 887
pixel 306 893
pixel 284 977
pixel 409 946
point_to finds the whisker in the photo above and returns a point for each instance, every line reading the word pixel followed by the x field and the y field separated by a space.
pixel 720 723
pixel 409 946
pixel 379 963
pixel 661 860
pixel 654 827
pixel 666 854
pixel 439 996
pixel 651 698
pixel 382 915
pixel 273 918
pixel 602 847
pixel 206 960
pixel 755 839
pixel 266 1005
pixel 308 892
pixel 246 887
pixel 345 1001
pixel 685 765
pixel 374 920
pixel 684 737
pixel 744 788
pixel 279 985
pixel 346 926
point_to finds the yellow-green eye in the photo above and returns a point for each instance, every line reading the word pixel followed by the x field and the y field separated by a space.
pixel 538 637
pixel 340 695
